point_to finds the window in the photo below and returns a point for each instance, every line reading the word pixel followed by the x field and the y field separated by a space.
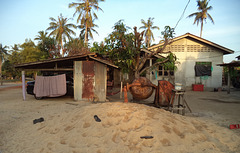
pixel 203 69
pixel 165 72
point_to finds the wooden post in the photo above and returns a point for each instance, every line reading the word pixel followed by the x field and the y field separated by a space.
pixel 229 79
pixel 121 90
pixel 150 75
pixel 23 86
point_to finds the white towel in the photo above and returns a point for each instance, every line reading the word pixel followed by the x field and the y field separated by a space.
pixel 50 86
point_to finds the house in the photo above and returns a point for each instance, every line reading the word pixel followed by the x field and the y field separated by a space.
pixel 194 54
pixel 89 74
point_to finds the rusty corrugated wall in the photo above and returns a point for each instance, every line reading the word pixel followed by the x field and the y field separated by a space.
pixel 88 79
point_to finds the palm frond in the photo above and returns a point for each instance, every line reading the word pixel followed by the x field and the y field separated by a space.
pixel 210 17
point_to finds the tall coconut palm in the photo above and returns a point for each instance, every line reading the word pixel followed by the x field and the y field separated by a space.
pixel 61 29
pixel 86 14
pixel 89 30
pixel 203 14
pixel 148 27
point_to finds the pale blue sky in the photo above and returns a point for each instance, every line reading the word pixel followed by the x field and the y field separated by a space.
pixel 23 19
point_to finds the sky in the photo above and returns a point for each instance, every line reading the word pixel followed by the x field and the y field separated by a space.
pixel 20 20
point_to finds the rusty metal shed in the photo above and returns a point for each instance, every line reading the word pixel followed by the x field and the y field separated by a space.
pixel 89 73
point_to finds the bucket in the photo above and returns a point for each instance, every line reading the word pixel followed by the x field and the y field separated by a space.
pixel 178 86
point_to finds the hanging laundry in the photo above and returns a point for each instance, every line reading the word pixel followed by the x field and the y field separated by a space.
pixel 50 86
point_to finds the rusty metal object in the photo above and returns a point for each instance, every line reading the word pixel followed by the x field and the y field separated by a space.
pixel 141 88
pixel 125 94
pixel 163 93
pixel 88 79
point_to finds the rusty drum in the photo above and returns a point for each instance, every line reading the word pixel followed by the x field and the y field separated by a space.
pixel 142 91
pixel 163 93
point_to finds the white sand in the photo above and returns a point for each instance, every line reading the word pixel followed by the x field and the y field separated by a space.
pixel 72 129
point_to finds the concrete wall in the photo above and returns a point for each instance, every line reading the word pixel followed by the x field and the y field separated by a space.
pixel 189 52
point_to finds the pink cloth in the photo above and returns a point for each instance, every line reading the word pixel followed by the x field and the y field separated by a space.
pixel 50 86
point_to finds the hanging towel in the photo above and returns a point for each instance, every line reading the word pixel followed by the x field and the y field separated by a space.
pixel 50 86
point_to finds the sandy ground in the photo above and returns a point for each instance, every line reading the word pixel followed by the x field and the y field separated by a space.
pixel 70 126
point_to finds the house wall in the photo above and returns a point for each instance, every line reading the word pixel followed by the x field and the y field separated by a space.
pixel 188 52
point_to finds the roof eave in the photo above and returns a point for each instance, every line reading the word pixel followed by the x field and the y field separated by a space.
pixel 223 49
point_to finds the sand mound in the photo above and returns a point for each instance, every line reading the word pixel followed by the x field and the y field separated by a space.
pixel 120 130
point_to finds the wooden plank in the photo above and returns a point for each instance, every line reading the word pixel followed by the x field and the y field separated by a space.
pixel 77 80
pixel 100 81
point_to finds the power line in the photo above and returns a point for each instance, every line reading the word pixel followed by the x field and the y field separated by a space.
pixel 182 14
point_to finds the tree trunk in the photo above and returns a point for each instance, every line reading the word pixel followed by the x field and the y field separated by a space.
pixel 136 74
pixel 86 37
pixel 62 49
pixel 201 29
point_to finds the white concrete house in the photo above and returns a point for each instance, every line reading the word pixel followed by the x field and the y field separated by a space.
pixel 192 50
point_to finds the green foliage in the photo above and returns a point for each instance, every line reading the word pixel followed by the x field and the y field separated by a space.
pixel 86 16
pixel 168 33
pixel 100 48
pixel 75 47
pixel 13 59
pixel 46 44
pixel 170 64
pixel 3 52
pixel 61 30
pixel 29 52
pixel 120 46
pixel 3 56
pixel 148 27
pixel 89 30
pixel 8 69
pixel 124 49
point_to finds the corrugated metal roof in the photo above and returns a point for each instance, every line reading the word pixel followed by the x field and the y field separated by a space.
pixel 103 61
pixel 63 62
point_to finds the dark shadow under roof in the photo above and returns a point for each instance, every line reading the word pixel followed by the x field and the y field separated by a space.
pixel 231 64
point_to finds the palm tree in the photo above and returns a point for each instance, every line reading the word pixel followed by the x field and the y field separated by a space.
pixel 89 30
pixel 148 27
pixel 3 53
pixel 203 14
pixel 61 30
pixel 42 35
pixel 86 14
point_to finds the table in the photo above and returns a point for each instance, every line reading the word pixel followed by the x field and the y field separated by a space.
pixel 181 102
